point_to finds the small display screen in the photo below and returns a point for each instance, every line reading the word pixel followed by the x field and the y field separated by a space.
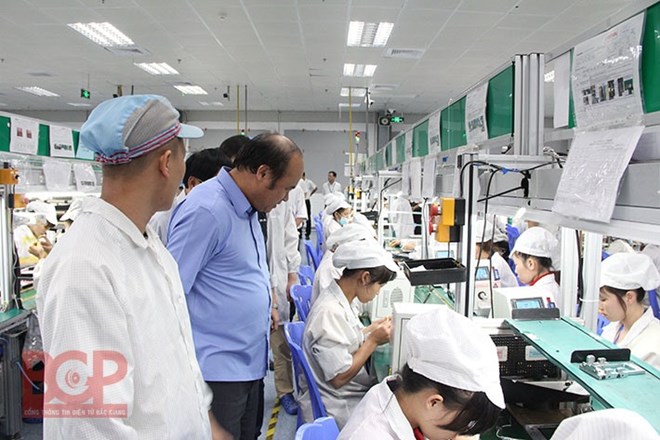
pixel 444 254
pixel 527 303
pixel 482 273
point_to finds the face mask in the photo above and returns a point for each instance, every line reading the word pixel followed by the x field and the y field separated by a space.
pixel 343 221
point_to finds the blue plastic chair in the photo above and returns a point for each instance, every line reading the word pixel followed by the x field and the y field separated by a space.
pixel 320 236
pixel 324 428
pixel 294 336
pixel 312 256
pixel 653 302
pixel 302 299
pixel 306 275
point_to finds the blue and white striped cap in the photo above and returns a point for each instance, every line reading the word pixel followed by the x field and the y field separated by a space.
pixel 121 129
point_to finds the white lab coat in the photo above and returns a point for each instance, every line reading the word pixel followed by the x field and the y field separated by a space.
pixel 548 284
pixel 297 203
pixel 282 250
pixel 643 338
pixel 325 274
pixel 402 218
pixel 329 188
pixel 161 220
pixel 333 333
pixel 378 416
pixel 360 219
pixel 507 277
pixel 330 225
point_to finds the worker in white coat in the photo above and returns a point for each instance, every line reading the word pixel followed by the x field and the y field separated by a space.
pixel 401 216
pixel 533 255
pixel 606 424
pixel 335 342
pixel 449 386
pixel 624 280
pixel 283 263
pixel 327 272
pixel 485 251
pixel 339 213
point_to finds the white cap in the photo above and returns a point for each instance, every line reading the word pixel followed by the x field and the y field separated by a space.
pixel 479 233
pixel 330 197
pixel 606 424
pixel 619 246
pixel 350 232
pixel 21 218
pixel 75 208
pixel 43 208
pixel 629 272
pixel 537 242
pixel 451 349
pixel 336 204
pixel 362 255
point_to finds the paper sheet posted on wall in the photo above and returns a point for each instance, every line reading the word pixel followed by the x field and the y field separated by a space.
pixel 409 144
pixel 434 133
pixel 61 142
pixel 85 177
pixel 561 89
pixel 590 179
pixel 428 182
pixel 24 136
pixel 416 178
pixel 57 174
pixel 475 115
pixel 606 85
pixel 405 178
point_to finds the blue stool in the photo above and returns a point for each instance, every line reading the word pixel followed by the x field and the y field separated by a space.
pixel 302 299
pixel 306 275
pixel 324 428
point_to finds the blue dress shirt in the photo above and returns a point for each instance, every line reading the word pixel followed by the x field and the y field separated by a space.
pixel 215 237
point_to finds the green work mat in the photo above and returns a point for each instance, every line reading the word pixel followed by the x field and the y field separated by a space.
pixel 558 339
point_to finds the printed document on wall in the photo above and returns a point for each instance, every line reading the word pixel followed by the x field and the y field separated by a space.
pixel 590 179
pixel 475 115
pixel 61 142
pixel 606 85
pixel 85 177
pixel 57 174
pixel 409 144
pixel 416 178
pixel 562 83
pixel 405 178
pixel 428 184
pixel 24 136
pixel 434 133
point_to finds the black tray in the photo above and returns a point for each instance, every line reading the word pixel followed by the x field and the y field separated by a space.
pixel 439 271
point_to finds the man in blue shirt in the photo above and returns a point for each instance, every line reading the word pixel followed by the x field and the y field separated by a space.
pixel 214 235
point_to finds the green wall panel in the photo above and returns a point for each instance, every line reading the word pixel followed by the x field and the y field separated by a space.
pixel 452 123
pixel 388 155
pixel 4 133
pixel 499 104
pixel 421 139
pixel 401 149
pixel 43 148
pixel 650 69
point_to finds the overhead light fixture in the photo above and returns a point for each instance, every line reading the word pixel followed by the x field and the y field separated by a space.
pixel 157 68
pixel 79 104
pixel 357 91
pixel 103 34
pixel 360 70
pixel 187 89
pixel 345 105
pixel 37 91
pixel 550 76
pixel 214 103
pixel 361 34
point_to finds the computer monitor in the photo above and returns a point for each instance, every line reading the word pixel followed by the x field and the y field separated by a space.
pixel 505 299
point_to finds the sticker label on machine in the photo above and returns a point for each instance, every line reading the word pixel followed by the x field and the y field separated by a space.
pixel 532 354
pixel 502 353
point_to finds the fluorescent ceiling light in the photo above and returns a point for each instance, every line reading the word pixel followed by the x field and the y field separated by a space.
pixel 345 105
pixel 190 90
pixel 215 103
pixel 79 104
pixel 360 70
pixel 103 34
pixel 356 92
pixel 361 34
pixel 37 91
pixel 550 76
pixel 157 68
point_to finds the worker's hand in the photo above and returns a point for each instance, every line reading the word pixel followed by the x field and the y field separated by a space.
pixel 380 334
pixel 38 251
pixel 275 319
pixel 292 280
pixel 45 244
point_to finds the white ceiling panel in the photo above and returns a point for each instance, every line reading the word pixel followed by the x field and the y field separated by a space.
pixel 373 14
pixel 483 20
pixel 524 21
pixel 487 6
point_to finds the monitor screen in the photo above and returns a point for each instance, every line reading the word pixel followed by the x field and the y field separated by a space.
pixel 444 254
pixel 527 303
pixel 482 273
